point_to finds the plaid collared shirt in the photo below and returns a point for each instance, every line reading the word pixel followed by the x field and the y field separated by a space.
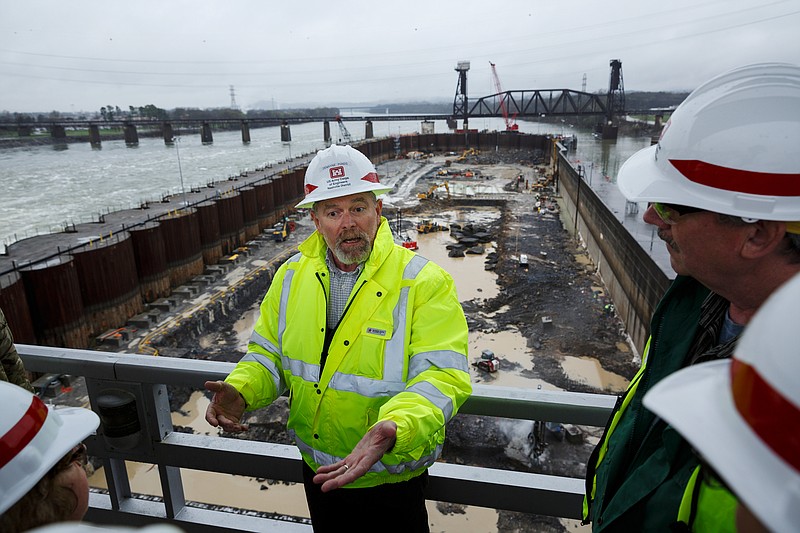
pixel 342 284
pixel 706 345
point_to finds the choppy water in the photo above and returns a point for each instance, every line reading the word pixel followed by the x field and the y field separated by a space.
pixel 46 187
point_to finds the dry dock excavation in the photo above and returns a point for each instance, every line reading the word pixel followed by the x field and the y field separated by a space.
pixel 549 321
pixel 579 347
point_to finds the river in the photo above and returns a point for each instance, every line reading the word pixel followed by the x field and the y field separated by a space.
pixel 49 186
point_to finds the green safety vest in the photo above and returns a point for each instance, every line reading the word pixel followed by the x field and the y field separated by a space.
pixel 660 492
pixel 399 353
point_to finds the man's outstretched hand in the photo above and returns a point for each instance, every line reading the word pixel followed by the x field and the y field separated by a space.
pixel 226 407
pixel 367 452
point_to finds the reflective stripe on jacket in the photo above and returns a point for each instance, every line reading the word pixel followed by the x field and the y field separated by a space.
pixel 707 508
pixel 399 353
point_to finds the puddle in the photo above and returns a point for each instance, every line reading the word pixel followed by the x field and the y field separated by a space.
pixel 588 370
pixel 218 489
pixel 244 326
pixel 509 346
pixel 193 414
pixel 471 278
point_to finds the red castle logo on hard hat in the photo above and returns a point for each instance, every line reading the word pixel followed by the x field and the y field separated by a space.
pixel 336 172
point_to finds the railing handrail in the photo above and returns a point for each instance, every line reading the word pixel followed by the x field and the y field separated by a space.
pixel 171 451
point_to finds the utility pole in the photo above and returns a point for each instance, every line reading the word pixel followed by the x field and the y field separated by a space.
pixel 233 98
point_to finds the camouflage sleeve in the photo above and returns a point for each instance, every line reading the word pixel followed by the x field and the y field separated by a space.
pixel 12 369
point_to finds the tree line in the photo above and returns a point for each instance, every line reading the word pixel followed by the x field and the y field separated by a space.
pixel 111 113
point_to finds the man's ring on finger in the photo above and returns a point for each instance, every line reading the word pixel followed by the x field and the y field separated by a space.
pixel 346 467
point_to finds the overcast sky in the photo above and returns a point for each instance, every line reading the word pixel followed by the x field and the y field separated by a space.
pixel 83 54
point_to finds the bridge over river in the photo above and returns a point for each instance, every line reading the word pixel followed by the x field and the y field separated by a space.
pixel 510 105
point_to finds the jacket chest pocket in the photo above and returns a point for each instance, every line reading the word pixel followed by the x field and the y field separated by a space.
pixel 371 348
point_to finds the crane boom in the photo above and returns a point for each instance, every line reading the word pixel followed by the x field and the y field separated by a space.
pixel 348 139
pixel 511 124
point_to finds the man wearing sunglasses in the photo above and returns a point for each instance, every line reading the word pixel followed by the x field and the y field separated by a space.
pixel 723 190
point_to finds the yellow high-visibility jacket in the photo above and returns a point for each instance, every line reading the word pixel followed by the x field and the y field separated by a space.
pixel 399 353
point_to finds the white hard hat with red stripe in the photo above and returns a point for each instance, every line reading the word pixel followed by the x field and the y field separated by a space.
pixel 730 147
pixel 33 438
pixel 743 415
pixel 340 171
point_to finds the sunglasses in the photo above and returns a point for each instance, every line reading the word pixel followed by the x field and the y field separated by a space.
pixel 670 213
pixel 76 455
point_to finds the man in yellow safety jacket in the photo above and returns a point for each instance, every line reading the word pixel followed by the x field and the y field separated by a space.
pixel 723 190
pixel 370 341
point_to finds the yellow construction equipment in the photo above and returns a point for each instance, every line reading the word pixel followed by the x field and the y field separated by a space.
pixel 432 191
pixel 468 151
pixel 427 226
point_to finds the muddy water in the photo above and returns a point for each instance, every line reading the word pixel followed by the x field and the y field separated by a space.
pixel 588 370
pixel 472 280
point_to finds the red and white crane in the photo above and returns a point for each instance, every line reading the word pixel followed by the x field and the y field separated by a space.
pixel 511 124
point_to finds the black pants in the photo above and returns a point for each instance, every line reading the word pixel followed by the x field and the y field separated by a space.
pixel 389 507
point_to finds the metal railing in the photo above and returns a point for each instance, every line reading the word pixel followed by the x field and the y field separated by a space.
pixel 145 378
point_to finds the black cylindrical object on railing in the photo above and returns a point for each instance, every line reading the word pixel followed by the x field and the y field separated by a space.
pixel 119 418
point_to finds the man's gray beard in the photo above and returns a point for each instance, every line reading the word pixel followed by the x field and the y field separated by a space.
pixel 358 256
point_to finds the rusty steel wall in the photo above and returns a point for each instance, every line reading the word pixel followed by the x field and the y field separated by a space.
pixel 54 299
pixel 108 281
pixel 250 213
pixel 279 195
pixel 262 205
pixel 231 222
pixel 14 303
pixel 270 191
pixel 406 144
pixel 151 261
pixel 379 150
pixel 297 179
pixel 181 231
pixel 210 241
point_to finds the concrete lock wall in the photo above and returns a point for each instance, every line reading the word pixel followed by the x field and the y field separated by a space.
pixel 633 280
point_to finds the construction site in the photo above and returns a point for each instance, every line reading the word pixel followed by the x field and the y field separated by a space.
pixel 538 314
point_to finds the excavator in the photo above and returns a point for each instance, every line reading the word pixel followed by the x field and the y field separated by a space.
pixel 432 191
pixel 468 152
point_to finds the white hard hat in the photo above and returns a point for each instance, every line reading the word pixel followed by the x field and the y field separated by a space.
pixel 339 171
pixel 730 147
pixel 33 438
pixel 743 415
